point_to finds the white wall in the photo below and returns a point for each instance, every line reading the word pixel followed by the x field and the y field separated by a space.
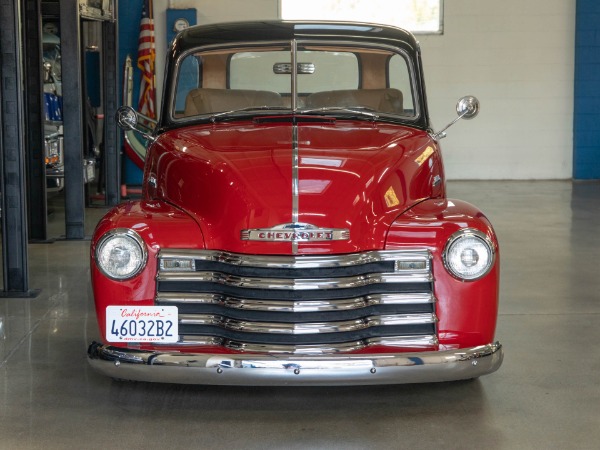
pixel 516 56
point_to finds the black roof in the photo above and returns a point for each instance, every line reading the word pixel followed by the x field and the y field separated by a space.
pixel 224 33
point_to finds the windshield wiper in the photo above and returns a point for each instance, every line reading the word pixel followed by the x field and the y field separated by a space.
pixel 357 110
pixel 360 110
pixel 216 116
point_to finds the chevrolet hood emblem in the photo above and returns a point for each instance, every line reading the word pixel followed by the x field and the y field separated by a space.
pixel 295 232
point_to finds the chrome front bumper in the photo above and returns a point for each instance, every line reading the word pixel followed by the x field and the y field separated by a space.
pixel 295 370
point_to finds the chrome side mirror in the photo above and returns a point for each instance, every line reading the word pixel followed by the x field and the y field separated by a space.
pixel 466 108
pixel 128 119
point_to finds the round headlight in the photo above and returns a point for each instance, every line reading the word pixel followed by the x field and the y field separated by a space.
pixel 469 254
pixel 121 254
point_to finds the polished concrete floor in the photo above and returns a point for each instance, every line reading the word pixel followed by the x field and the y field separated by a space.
pixel 545 396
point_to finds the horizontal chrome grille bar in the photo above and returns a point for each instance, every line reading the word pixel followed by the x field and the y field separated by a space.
pixel 297 262
pixel 304 328
pixel 416 342
pixel 294 306
pixel 295 284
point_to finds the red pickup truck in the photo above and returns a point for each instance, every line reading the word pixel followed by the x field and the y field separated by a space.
pixel 294 227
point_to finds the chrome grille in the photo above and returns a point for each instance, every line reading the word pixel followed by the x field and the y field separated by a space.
pixel 300 304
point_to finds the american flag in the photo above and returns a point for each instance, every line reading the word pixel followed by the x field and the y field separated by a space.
pixel 146 57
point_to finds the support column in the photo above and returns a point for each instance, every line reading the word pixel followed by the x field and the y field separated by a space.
pixel 112 155
pixel 34 122
pixel 12 154
pixel 70 29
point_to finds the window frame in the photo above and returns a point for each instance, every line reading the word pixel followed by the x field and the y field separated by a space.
pixel 411 67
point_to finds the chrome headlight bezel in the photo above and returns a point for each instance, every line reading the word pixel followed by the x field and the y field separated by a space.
pixel 131 238
pixel 480 238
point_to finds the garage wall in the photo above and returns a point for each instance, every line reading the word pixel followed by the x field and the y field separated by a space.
pixel 516 57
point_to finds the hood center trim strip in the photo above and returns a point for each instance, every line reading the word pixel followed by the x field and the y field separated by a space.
pixel 295 181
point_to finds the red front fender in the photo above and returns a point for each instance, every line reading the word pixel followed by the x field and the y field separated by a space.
pixel 160 225
pixel 467 310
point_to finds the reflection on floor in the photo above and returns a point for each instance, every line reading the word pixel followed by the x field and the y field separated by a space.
pixel 56 213
pixel 546 395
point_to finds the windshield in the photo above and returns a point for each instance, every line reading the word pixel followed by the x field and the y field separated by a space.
pixel 329 80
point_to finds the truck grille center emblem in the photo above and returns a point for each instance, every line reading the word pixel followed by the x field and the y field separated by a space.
pixel 295 232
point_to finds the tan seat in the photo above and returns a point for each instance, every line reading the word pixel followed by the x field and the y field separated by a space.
pixel 382 100
pixel 205 100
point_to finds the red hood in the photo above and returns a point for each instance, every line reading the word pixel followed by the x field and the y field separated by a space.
pixel 352 175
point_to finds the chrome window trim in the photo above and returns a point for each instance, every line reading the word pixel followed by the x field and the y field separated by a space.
pixel 290 44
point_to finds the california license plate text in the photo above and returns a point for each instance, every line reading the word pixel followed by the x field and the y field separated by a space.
pixel 142 324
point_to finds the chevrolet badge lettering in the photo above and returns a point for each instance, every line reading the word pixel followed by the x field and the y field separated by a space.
pixel 295 232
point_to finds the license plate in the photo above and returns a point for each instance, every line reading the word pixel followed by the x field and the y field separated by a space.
pixel 142 324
